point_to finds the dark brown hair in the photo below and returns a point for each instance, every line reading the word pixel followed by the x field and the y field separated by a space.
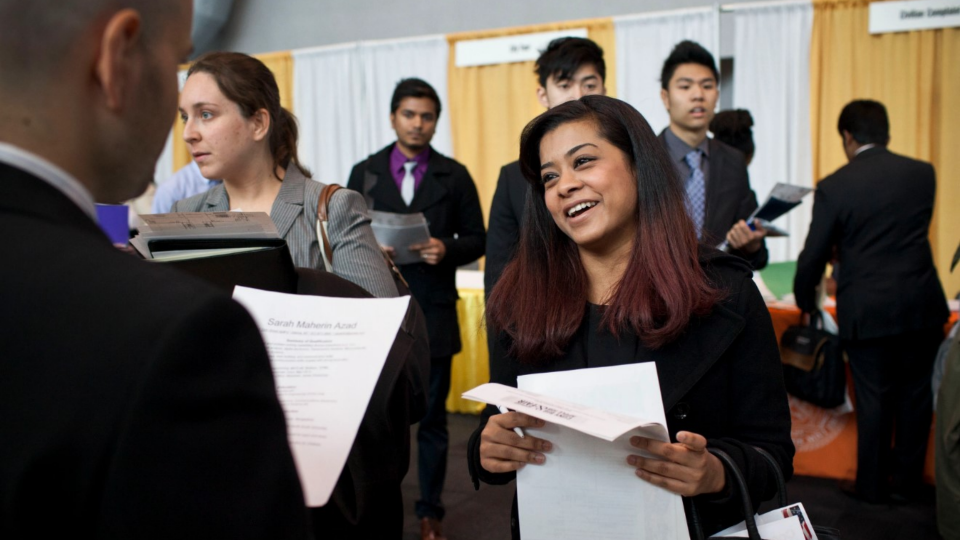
pixel 564 56
pixel 539 302
pixel 735 127
pixel 250 84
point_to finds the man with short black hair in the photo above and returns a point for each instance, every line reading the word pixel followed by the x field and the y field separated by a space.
pixel 719 198
pixel 406 177
pixel 569 68
pixel 875 213
pixel 161 425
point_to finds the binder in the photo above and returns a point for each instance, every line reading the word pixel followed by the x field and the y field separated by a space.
pixel 268 269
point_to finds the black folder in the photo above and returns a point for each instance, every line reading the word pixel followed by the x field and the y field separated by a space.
pixel 268 269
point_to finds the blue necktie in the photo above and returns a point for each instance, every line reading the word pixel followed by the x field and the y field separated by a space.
pixel 696 187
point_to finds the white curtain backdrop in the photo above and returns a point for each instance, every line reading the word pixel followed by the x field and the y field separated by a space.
pixel 385 63
pixel 771 78
pixel 644 42
pixel 341 97
pixel 329 106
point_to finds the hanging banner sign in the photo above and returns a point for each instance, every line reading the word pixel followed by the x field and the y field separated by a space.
pixel 914 15
pixel 507 49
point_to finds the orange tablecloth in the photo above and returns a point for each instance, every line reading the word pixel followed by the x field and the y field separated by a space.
pixel 826 440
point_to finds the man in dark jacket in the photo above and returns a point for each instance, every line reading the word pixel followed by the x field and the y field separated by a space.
pixel 714 175
pixel 875 213
pixel 135 402
pixel 407 177
pixel 569 68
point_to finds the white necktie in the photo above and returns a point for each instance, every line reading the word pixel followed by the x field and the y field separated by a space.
pixel 409 182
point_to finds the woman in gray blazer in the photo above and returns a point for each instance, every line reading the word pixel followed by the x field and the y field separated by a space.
pixel 236 130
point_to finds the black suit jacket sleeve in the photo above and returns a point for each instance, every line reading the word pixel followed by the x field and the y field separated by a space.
pixel 503 233
pixel 467 246
pixel 208 384
pixel 817 250
pixel 355 181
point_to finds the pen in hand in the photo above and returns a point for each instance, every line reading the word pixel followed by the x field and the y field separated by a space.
pixel 504 410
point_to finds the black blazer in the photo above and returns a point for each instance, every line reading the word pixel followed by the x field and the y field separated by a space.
pixel 729 198
pixel 506 215
pixel 367 502
pixel 135 402
pixel 448 199
pixel 876 212
pixel 722 379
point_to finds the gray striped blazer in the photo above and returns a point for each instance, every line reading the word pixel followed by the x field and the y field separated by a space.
pixel 356 254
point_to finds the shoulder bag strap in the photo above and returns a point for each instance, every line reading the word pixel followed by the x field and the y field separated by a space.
pixel 323 204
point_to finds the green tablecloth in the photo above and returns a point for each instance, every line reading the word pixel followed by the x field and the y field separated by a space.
pixel 779 277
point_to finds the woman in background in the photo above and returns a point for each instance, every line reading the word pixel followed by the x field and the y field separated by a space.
pixel 236 130
pixel 609 272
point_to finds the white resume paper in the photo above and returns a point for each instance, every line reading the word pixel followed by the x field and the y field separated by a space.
pixel 327 354
pixel 586 488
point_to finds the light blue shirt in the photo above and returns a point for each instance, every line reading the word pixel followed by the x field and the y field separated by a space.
pixel 185 183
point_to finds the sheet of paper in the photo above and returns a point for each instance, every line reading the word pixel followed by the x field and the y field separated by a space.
pixel 785 529
pixel 400 231
pixel 593 421
pixel 586 488
pixel 327 354
pixel 207 225
pixel 782 199
pixel 788 523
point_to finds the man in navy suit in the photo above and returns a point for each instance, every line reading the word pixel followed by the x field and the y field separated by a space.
pixel 874 213
pixel 135 402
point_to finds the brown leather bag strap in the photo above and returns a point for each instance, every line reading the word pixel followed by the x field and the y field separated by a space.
pixel 323 203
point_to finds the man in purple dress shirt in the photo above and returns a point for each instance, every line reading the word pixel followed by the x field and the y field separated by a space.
pixel 407 177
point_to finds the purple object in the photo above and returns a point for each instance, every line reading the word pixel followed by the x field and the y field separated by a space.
pixel 113 221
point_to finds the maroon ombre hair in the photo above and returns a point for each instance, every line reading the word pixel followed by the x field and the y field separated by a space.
pixel 541 298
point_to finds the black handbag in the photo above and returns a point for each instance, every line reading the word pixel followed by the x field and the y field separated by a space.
pixel 740 485
pixel 813 364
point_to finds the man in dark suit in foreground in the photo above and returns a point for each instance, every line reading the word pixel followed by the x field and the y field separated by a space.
pixel 134 402
pixel 406 177
pixel 875 212
pixel 719 198
pixel 569 68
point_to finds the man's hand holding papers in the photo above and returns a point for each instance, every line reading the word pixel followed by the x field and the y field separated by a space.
pixel 741 236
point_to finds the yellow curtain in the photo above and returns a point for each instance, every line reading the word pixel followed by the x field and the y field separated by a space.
pixel 490 105
pixel 280 63
pixel 913 74
pixel 471 366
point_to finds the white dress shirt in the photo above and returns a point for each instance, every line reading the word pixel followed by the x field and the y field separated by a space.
pixel 51 174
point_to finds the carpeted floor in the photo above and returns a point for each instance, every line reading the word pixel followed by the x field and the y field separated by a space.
pixel 485 514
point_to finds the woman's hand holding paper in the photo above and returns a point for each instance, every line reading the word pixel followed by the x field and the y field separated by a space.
pixel 685 467
pixel 502 450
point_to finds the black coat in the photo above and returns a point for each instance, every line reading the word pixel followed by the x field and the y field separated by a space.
pixel 876 212
pixel 729 198
pixel 135 402
pixel 448 199
pixel 367 502
pixel 722 379
pixel 506 215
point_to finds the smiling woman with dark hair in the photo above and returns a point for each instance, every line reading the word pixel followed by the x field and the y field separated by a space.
pixel 609 272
